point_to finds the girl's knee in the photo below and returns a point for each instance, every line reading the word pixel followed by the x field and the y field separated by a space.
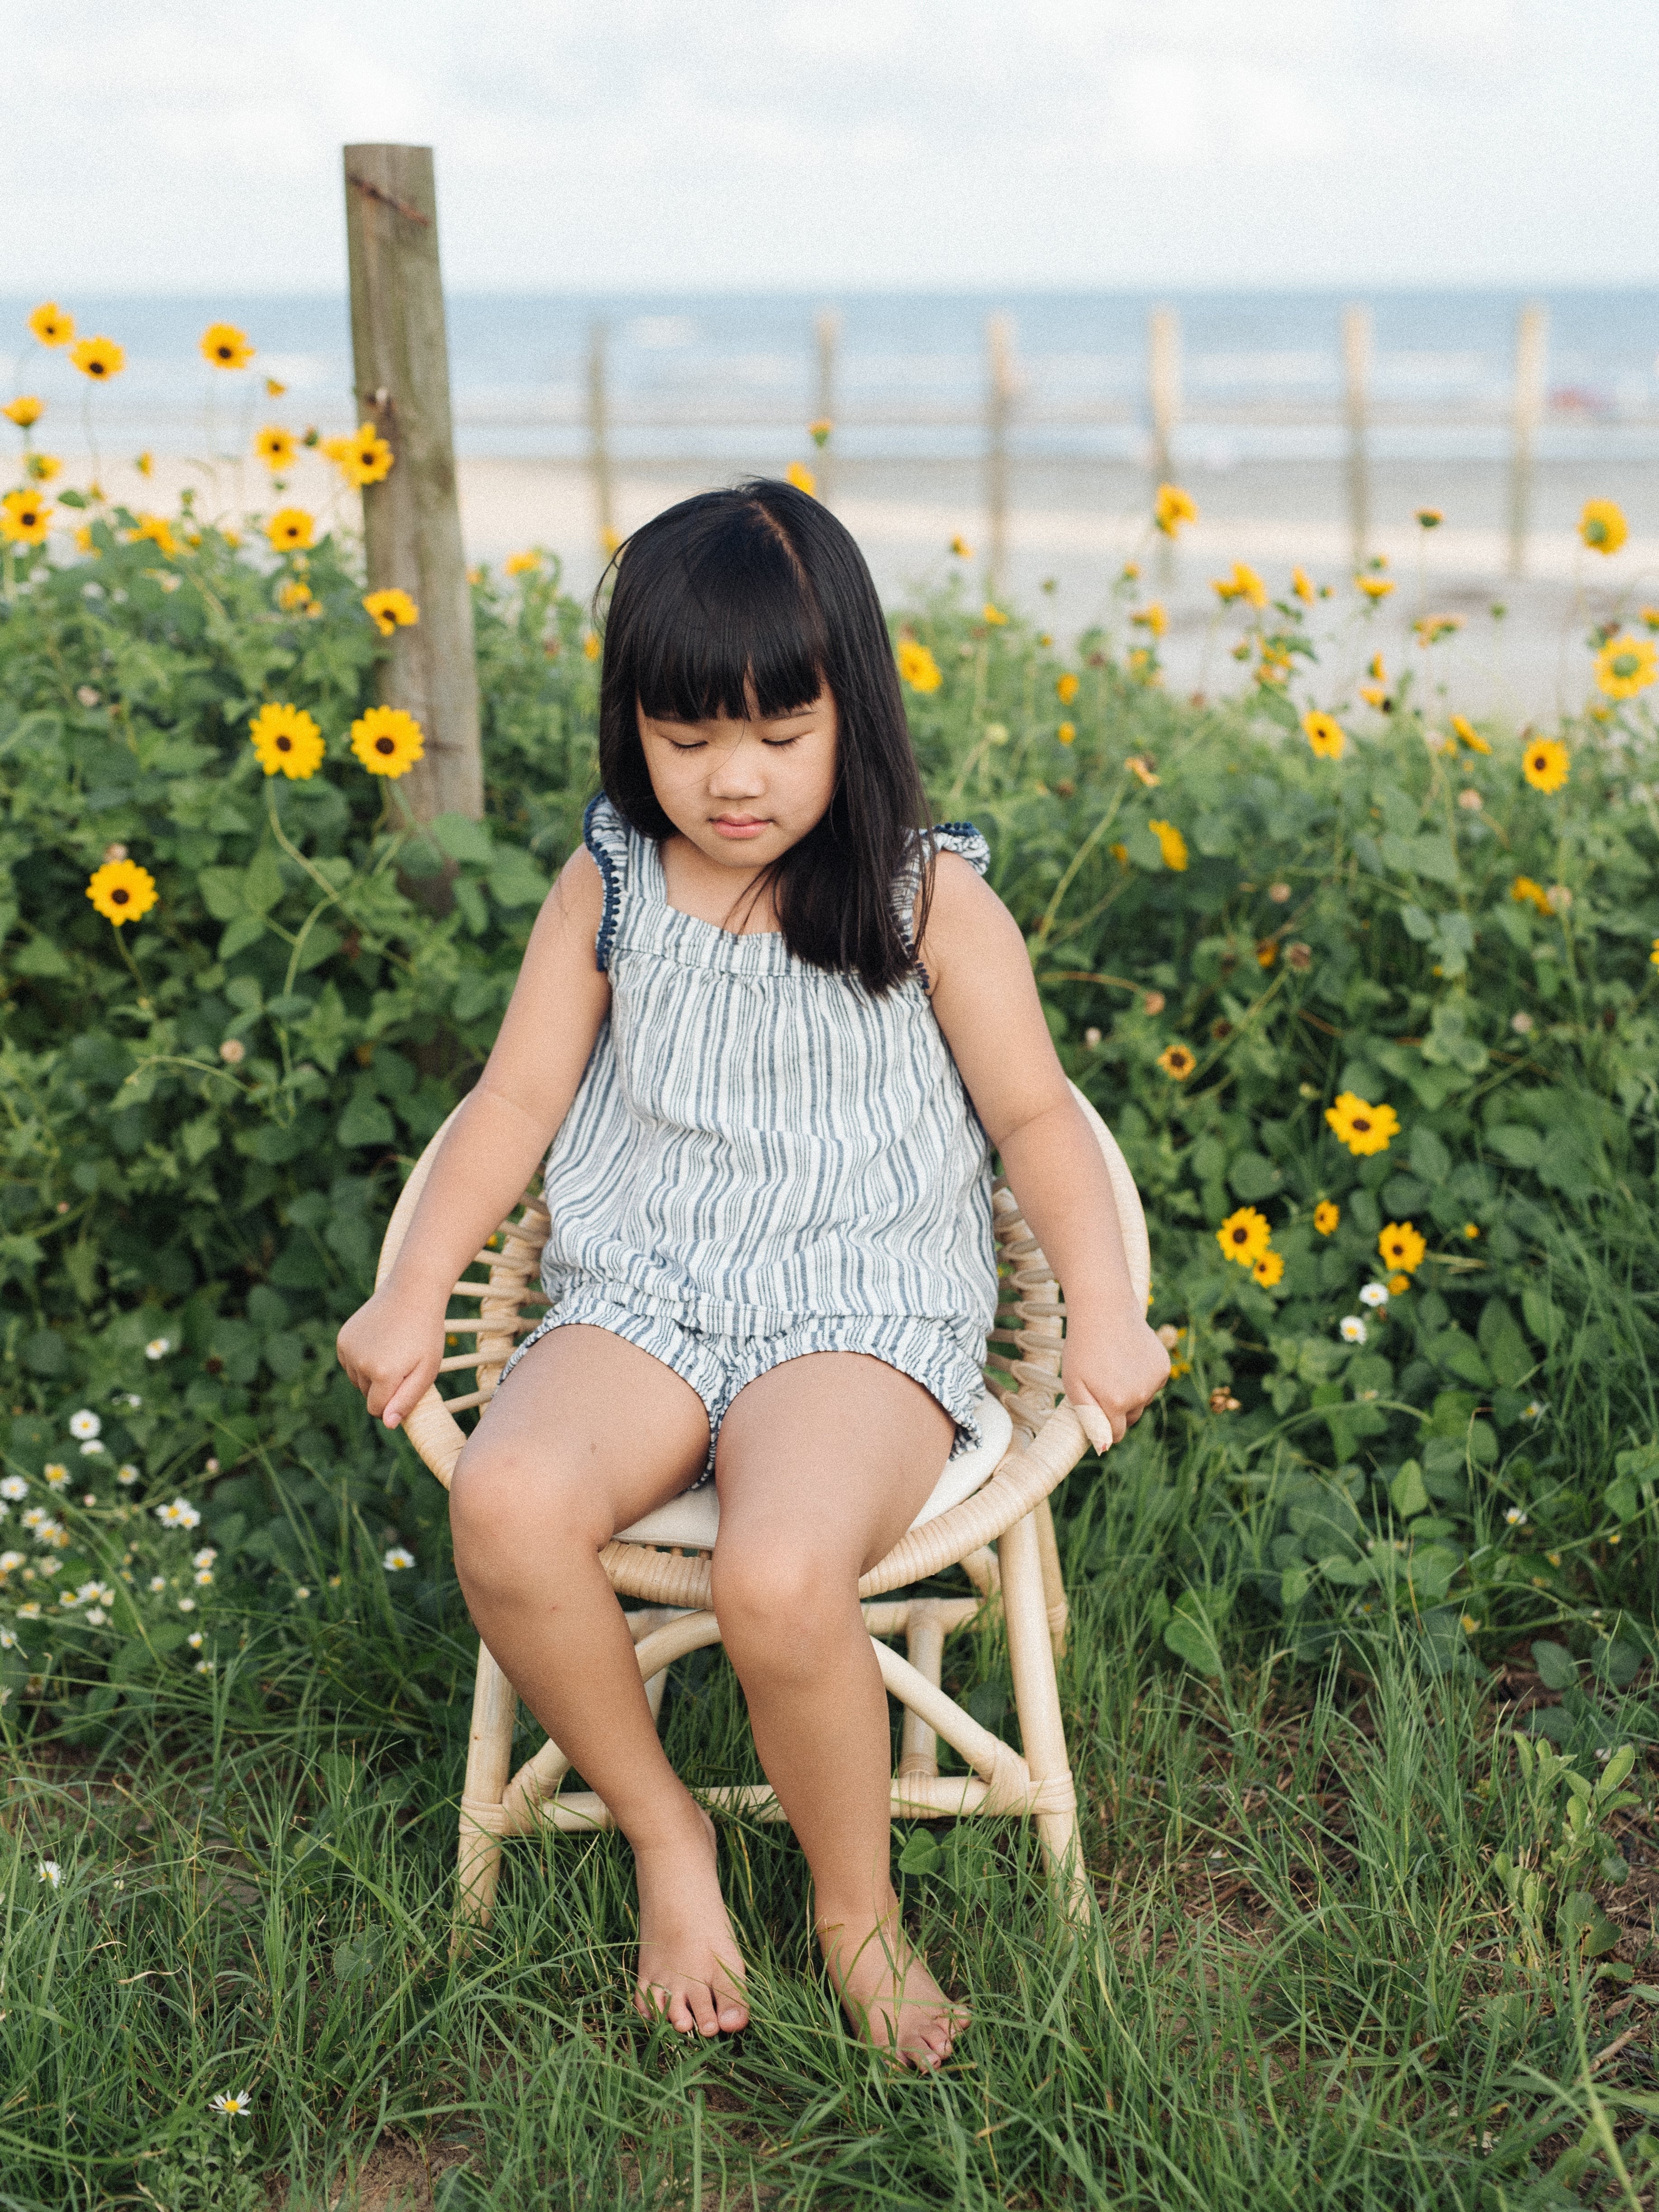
pixel 777 1603
pixel 511 1521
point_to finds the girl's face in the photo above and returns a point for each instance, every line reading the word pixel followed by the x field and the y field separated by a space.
pixel 743 792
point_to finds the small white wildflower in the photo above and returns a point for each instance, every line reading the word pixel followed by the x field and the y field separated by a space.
pixel 88 1497
pixel 396 1558
pixel 55 1475
pixel 127 1475
pixel 29 1611
pixel 86 1591
pixel 49 1872
pixel 1374 1294
pixel 13 1488
pixel 1514 1516
pixel 235 2107
pixel 1353 1329
pixel 8 1639
pixel 204 1558
pixel 1520 1022
pixel 84 1424
pixel 52 1566
pixel 97 1615
pixel 202 1577
pixel 186 1605
pixel 92 1449
pixel 68 1598
pixel 36 1519
pixel 134 1401
pixel 158 1583
pixel 302 1591
pixel 1533 1410
pixel 53 1532
pixel 194 1639
pixel 205 1666
pixel 158 1347
pixel 180 1514
pixel 10 1561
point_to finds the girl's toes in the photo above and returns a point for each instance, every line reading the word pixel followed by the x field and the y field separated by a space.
pixel 732 2016
pixel 704 2011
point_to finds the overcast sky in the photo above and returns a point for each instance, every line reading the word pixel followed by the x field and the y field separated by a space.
pixel 193 145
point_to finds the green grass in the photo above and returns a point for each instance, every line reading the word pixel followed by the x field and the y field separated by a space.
pixel 1307 1985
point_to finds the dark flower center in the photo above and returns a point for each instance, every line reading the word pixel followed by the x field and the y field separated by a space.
pixel 385 746
pixel 120 897
pixel 1360 1122
pixel 1241 1235
pixel 284 745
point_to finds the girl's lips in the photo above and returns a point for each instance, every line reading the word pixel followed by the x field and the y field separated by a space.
pixel 730 826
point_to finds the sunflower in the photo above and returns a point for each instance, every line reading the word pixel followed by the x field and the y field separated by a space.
pixel 275 447
pixel 1173 509
pixel 1544 764
pixel 1525 892
pixel 1603 525
pixel 296 597
pixel 122 891
pixel 98 358
pixel 25 410
pixel 591 647
pixel 1325 734
pixel 52 325
pixel 1326 1217
pixel 1268 1269
pixel 1067 733
pixel 388 741
pixel 994 616
pixel 1066 688
pixel 365 458
pixel 522 564
pixel 1244 1236
pixel 1374 587
pixel 1467 735
pixel 802 477
pixel 391 609
pixel 1172 844
pixel 1625 665
pixel 1176 1061
pixel 285 737
pixel 1430 517
pixel 1430 628
pixel 1152 618
pixel 154 529
pixel 289 529
pixel 1364 1128
pixel 1402 1247
pixel 225 346
pixel 25 518
pixel 42 467
pixel 917 666
pixel 1242 584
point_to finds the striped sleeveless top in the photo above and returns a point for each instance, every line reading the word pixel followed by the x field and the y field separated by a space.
pixel 755 1141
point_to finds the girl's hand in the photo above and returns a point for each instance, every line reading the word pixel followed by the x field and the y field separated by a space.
pixel 390 1348
pixel 1111 1369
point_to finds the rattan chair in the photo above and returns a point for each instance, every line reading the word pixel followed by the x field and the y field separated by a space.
pixel 997 1494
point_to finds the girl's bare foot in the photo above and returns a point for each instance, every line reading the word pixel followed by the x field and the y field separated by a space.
pixel 691 1970
pixel 886 1991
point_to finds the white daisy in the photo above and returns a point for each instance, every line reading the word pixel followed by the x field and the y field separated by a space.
pixel 29 1611
pixel 1514 1516
pixel 158 1583
pixel 54 1532
pixel 126 1475
pixel 10 1561
pixel 194 1639
pixel 13 1488
pixel 202 1577
pixel 36 1517
pixel 180 1514
pixel 8 1639
pixel 50 1566
pixel 204 1558
pixel 86 1591
pixel 1353 1329
pixel 205 1666
pixel 1534 1410
pixel 158 1347
pixel 49 1871
pixel 397 1558
pixel 1374 1294
pixel 92 1449
pixel 186 1605
pixel 68 1597
pixel 301 1590
pixel 85 1424
pixel 134 1401
pixel 55 1475
pixel 235 2107
pixel 97 1615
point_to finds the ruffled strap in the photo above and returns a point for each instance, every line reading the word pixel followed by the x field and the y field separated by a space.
pixel 606 836
pixel 947 837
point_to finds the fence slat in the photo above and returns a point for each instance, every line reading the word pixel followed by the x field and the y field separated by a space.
pixel 827 331
pixel 598 437
pixel 1357 393
pixel 1532 337
pixel 998 405
pixel 412 519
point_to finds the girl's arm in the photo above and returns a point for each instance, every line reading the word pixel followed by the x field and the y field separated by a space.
pixel 986 1003
pixel 391 1345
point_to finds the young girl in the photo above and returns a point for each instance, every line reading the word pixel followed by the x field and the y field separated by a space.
pixel 772 1041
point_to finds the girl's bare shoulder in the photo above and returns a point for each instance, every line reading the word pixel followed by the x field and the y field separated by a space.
pixel 967 923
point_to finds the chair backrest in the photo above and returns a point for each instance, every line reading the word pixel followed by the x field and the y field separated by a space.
pixel 509 1297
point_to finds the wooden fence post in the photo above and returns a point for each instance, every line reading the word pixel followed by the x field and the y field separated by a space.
pixel 598 436
pixel 827 330
pixel 1532 333
pixel 1357 378
pixel 998 405
pixel 1163 399
pixel 412 519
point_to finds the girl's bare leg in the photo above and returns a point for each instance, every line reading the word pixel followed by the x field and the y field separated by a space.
pixel 822 1464
pixel 587 1434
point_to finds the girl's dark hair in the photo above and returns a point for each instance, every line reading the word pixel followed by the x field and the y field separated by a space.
pixel 762 585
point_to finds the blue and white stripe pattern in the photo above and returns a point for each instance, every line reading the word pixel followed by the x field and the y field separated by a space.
pixel 763 1158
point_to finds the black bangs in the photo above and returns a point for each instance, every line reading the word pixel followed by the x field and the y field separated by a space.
pixel 730 604
pixel 761 585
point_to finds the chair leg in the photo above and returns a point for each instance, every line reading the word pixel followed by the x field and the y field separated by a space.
pixel 1054 1583
pixel 1037 1700
pixel 489 1761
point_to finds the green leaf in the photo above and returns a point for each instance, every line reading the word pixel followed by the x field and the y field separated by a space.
pixel 921 1855
pixel 514 878
pixel 463 840
pixel 1252 1176
pixel 1557 1668
pixel 1624 1500
pixel 222 892
pixel 1190 1635
pixel 1616 1770
pixel 1406 1494
pixel 1522 1146
pixel 366 1121
pixel 1505 1347
pixel 1294 1585
pixel 1429 1156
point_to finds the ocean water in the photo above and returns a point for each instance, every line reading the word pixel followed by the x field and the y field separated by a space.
pixel 734 379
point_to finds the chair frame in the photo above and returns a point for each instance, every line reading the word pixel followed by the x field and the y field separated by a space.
pixel 1022 1575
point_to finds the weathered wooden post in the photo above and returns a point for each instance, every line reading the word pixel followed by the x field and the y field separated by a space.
pixel 1164 400
pixel 412 519
pixel 998 406
pixel 1532 335
pixel 1357 378
pixel 598 437
pixel 827 331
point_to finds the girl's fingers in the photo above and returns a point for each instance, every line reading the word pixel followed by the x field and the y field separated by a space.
pixel 1102 1433
pixel 404 1400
